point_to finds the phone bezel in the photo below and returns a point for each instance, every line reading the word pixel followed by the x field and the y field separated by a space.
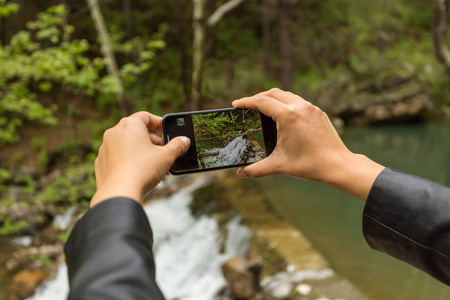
pixel 269 131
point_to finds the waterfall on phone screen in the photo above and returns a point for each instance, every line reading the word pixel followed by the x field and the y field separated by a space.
pixel 231 154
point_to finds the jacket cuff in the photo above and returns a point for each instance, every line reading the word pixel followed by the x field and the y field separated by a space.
pixel 118 214
pixel 408 218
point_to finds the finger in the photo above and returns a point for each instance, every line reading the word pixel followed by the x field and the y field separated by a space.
pixel 283 96
pixel 267 105
pixel 151 121
pixel 176 147
pixel 156 140
pixel 262 168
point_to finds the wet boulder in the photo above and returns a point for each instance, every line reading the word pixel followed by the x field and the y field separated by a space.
pixel 242 277
pixel 25 282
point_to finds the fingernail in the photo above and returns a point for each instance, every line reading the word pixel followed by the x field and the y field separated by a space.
pixel 186 140
pixel 241 174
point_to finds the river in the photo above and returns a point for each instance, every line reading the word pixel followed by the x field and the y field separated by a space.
pixel 332 220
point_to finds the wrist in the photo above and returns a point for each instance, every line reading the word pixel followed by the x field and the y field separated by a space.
pixel 101 196
pixel 117 189
pixel 353 174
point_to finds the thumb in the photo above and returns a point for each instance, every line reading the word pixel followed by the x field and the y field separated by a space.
pixel 262 168
pixel 177 147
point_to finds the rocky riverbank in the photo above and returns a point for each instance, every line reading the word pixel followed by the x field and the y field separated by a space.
pixel 394 99
pixel 287 264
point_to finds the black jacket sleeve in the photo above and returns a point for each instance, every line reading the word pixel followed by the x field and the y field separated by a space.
pixel 408 218
pixel 109 254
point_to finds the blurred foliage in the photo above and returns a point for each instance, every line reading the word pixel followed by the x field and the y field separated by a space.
pixel 41 60
pixel 371 40
pixel 50 196
pixel 7 8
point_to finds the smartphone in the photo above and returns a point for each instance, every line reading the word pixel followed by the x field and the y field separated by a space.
pixel 220 139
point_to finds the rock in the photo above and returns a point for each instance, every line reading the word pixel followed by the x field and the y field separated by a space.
pixel 15 192
pixel 21 241
pixel 290 268
pixel 446 111
pixel 241 280
pixel 338 123
pixel 30 257
pixel 282 291
pixel 406 100
pixel 377 113
pixel 304 289
pixel 48 235
pixel 25 282
pixel 12 264
pixel 280 285
pixel 48 179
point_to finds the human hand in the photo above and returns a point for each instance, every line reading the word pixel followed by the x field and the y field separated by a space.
pixel 308 146
pixel 131 160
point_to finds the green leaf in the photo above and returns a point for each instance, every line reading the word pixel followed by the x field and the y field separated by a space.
pixel 45 86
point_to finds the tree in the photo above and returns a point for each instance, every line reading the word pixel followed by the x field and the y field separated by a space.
pixel 439 35
pixel 285 8
pixel 108 54
pixel 266 34
pixel 6 9
pixel 183 54
pixel 200 27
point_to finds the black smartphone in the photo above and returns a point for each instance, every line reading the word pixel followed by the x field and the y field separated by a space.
pixel 220 139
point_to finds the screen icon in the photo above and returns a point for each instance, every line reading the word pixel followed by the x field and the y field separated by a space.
pixel 180 121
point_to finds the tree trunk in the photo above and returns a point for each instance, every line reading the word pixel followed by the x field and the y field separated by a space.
pixel 266 36
pixel 231 85
pixel 129 26
pixel 128 12
pixel 183 54
pixel 198 53
pixel 108 54
pixel 199 25
pixel 3 29
pixel 285 41
pixel 439 35
pixel 3 26
pixel 69 5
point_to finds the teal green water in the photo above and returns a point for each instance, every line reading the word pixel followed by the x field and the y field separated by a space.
pixel 332 220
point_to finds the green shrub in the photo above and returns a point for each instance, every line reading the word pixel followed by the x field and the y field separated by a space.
pixel 38 56
pixel 9 227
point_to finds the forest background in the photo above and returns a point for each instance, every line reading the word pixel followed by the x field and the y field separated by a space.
pixel 70 69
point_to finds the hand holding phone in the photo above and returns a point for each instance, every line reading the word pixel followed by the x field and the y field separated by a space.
pixel 222 138
pixel 131 161
pixel 308 146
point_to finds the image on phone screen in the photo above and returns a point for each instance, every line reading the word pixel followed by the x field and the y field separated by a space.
pixel 228 138
pixel 219 139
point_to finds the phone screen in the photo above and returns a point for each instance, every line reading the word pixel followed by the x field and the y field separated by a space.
pixel 220 138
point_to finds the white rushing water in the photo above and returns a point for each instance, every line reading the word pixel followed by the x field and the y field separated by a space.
pixel 231 154
pixel 187 251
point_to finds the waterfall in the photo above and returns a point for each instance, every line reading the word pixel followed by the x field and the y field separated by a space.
pixel 187 250
pixel 231 154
